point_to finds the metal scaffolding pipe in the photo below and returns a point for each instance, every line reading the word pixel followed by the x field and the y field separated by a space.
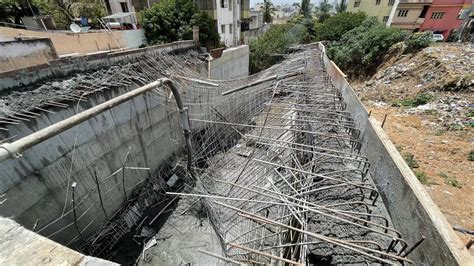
pixel 14 149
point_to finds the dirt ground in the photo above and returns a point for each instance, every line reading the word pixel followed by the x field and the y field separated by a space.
pixel 436 154
pixel 434 132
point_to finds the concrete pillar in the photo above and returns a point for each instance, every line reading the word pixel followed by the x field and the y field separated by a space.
pixel 196 35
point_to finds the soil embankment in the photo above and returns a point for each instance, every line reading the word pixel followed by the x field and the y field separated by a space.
pixel 428 98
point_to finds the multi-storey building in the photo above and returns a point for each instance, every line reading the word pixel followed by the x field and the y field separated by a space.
pixel 231 16
pixel 374 8
pixel 444 16
pixel 410 14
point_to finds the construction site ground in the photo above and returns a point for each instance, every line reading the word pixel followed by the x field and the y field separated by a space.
pixel 434 131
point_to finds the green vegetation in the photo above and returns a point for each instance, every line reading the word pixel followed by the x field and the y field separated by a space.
pixel 360 51
pixel 421 176
pixel 172 20
pixel 420 99
pixel 265 50
pixel 341 6
pixel 334 27
pixel 450 180
pixel 410 160
pixel 323 10
pixel 62 11
pixel 418 41
pixel 470 157
pixel 268 11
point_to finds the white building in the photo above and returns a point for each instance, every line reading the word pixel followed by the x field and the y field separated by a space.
pixel 228 21
pixel 121 6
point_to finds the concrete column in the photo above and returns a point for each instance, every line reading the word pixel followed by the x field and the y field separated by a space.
pixel 196 35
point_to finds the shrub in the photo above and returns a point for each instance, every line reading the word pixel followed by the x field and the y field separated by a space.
pixel 360 51
pixel 418 41
pixel 420 99
pixel 276 40
pixel 421 176
pixel 450 180
pixel 410 160
pixel 334 27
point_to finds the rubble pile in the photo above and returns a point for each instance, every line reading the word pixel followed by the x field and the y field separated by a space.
pixel 443 74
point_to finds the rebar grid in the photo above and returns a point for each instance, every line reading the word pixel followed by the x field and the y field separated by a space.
pixel 283 177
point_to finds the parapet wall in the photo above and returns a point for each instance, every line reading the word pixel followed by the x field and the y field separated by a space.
pixel 66 66
pixel 413 212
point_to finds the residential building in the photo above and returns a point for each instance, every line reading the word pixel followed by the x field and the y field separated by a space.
pixel 231 16
pixel 121 6
pixel 228 21
pixel 445 16
pixel 410 14
pixel 373 8
pixel 256 20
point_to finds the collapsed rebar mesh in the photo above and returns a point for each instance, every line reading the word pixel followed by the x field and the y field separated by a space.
pixel 283 179
pixel 276 157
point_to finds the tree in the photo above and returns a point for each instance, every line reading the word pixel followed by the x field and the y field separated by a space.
pixel 360 51
pixel 304 7
pixel 323 11
pixel 62 11
pixel 341 6
pixel 268 11
pixel 172 20
pixel 334 27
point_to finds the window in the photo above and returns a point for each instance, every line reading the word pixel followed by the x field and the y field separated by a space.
pixel 223 29
pixel 124 6
pixel 377 2
pixel 385 19
pixel 223 3
pixel 230 4
pixel 356 4
pixel 230 28
pixel 437 15
pixel 402 13
pixel 391 2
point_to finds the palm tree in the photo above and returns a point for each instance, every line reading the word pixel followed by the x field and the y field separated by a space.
pixel 323 10
pixel 305 10
pixel 341 6
pixel 268 11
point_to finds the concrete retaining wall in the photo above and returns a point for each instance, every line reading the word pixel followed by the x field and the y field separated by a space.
pixel 25 53
pixel 67 66
pixel 36 185
pixel 411 209
pixel 19 246
pixel 233 63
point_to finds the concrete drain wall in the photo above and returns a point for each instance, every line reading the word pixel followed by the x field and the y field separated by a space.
pixel 412 210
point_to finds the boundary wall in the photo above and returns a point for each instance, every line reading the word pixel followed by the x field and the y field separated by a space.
pixel 410 207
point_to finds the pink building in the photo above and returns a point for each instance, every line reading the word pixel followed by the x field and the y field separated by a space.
pixel 445 15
